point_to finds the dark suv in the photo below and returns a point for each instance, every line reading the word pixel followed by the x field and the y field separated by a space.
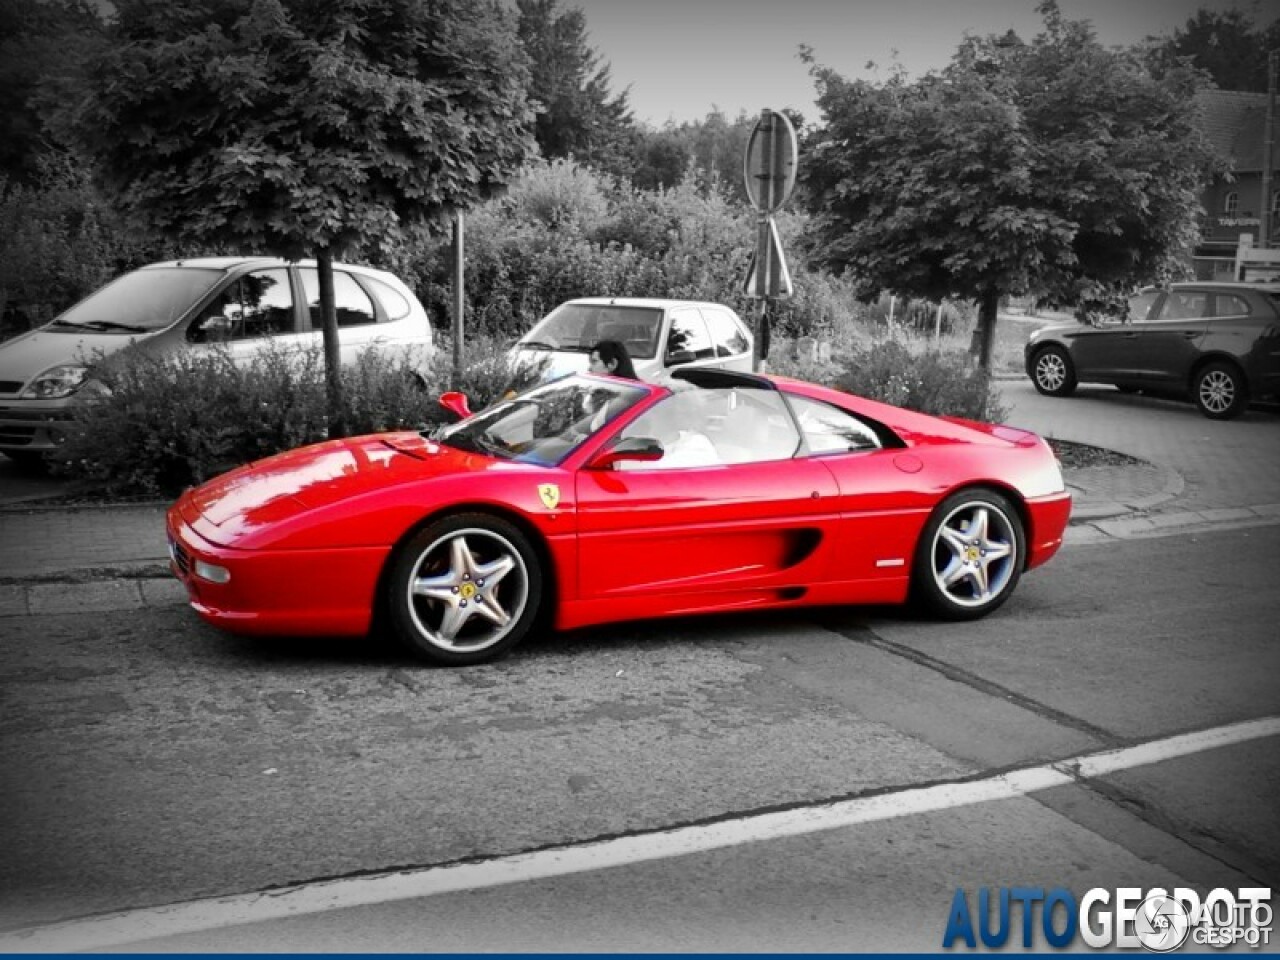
pixel 1218 343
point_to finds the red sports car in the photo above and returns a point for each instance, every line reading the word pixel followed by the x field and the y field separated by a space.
pixel 593 499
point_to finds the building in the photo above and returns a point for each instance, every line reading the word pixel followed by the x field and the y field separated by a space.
pixel 1235 124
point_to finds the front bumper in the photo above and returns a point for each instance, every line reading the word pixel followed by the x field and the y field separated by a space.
pixel 278 592
pixel 31 427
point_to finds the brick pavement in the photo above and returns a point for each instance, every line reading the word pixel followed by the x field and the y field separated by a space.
pixel 1223 464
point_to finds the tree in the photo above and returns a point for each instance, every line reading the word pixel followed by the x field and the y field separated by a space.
pixel 42 45
pixel 1225 44
pixel 295 127
pixel 579 118
pixel 1056 168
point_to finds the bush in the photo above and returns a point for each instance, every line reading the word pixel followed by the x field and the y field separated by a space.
pixel 943 383
pixel 174 420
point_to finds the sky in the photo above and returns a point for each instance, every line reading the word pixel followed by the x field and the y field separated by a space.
pixel 683 58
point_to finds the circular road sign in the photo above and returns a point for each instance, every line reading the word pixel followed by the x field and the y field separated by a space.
pixel 769 162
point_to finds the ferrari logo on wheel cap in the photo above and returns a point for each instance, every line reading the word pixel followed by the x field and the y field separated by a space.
pixel 550 494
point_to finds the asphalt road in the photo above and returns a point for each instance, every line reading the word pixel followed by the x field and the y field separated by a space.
pixel 148 759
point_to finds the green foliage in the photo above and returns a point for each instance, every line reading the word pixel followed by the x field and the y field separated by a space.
pixel 177 419
pixel 566 231
pixel 1226 44
pixel 939 382
pixel 43 45
pixel 1057 167
pixel 293 127
pixel 578 117
pixel 59 241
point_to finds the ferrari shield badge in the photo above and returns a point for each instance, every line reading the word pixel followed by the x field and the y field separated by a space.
pixel 550 494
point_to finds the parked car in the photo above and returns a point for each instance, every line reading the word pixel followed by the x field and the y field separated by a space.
pixel 591 499
pixel 237 304
pixel 659 335
pixel 1217 343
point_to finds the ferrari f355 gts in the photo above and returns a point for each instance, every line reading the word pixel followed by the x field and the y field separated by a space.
pixel 594 499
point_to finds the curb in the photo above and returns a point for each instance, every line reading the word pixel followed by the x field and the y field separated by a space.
pixel 1172 487
pixel 52 597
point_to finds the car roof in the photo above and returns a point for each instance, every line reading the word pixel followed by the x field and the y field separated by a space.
pixel 1221 285
pixel 652 302
pixel 236 263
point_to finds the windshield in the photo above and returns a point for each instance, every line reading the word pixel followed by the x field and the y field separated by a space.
pixel 141 301
pixel 544 425
pixel 580 326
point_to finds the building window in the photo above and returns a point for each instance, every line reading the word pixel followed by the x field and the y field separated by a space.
pixel 1275 206
pixel 1231 204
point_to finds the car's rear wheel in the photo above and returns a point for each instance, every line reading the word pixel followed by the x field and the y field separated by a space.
pixel 970 555
pixel 1053 373
pixel 1220 391
pixel 465 589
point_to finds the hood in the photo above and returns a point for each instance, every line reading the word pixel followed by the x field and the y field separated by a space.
pixel 33 353
pixel 316 476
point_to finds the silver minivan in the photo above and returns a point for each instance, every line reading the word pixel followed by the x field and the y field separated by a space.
pixel 658 335
pixel 236 304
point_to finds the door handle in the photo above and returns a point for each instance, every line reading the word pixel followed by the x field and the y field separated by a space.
pixel 1191 334
pixel 1130 336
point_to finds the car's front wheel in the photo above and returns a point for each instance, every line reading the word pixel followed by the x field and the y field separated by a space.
pixel 1220 391
pixel 970 555
pixel 465 589
pixel 1053 373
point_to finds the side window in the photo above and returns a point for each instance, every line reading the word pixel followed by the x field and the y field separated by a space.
pixel 708 427
pixel 393 301
pixel 1229 305
pixel 829 429
pixel 268 303
pixel 1185 305
pixel 353 306
pixel 254 306
pixel 1140 305
pixel 683 424
pixel 726 337
pixel 688 340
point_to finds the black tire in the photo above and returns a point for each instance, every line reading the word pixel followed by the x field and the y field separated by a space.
pixel 955 575
pixel 1053 373
pixel 28 462
pixel 445 609
pixel 1220 391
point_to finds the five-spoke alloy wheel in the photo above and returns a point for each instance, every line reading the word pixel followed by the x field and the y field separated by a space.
pixel 1053 373
pixel 465 589
pixel 970 555
pixel 1220 392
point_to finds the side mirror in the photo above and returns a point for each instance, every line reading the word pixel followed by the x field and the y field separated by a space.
pixel 639 449
pixel 456 403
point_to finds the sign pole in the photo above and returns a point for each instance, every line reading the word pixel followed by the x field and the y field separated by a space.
pixel 459 295
pixel 769 171
pixel 764 249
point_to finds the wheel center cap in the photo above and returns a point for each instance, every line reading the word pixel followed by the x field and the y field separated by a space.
pixel 467 591
pixel 971 554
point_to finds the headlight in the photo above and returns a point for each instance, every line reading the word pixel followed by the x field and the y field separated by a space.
pixel 57 382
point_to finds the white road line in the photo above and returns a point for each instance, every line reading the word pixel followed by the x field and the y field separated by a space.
pixel 135 926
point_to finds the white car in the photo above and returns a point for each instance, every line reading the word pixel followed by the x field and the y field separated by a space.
pixel 658 335
pixel 237 304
